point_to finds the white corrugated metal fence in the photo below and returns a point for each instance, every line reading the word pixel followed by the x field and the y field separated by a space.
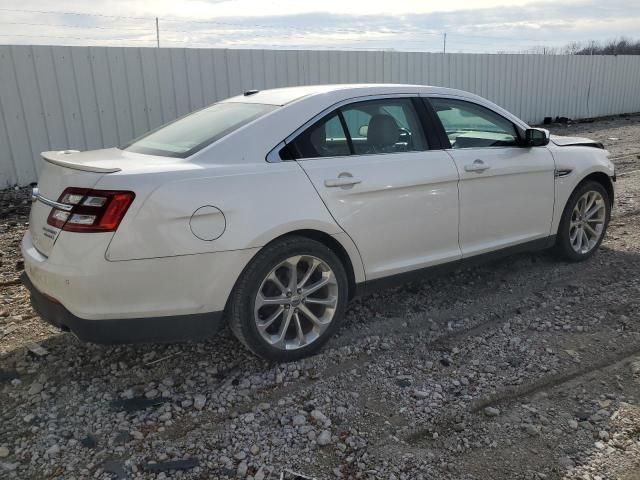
pixel 55 97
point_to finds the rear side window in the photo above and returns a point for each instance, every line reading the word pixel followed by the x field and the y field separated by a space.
pixel 370 127
pixel 389 125
pixel 187 135
pixel 325 138
pixel 469 125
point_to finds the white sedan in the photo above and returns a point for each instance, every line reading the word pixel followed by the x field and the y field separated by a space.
pixel 272 209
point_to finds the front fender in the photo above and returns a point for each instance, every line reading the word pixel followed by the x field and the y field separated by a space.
pixel 573 165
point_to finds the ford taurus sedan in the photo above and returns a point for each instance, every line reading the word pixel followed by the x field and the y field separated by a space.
pixel 272 209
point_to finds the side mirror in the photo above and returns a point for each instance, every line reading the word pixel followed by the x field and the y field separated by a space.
pixel 362 131
pixel 536 137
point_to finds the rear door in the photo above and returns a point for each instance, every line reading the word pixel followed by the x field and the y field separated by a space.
pixel 506 190
pixel 384 184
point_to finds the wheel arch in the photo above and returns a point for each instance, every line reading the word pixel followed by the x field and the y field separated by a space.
pixel 563 247
pixel 566 186
pixel 344 253
pixel 334 245
pixel 601 178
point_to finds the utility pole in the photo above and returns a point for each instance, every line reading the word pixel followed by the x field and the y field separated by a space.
pixel 157 34
pixel 444 42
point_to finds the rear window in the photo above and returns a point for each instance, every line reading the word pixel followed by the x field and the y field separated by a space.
pixel 187 135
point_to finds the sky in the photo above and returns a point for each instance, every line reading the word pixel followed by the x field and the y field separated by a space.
pixel 474 26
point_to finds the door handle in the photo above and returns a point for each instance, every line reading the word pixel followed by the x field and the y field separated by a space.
pixel 477 166
pixel 345 179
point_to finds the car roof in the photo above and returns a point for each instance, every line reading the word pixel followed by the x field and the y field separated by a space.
pixel 283 96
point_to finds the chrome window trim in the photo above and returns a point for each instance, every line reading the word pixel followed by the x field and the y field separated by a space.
pixel 51 203
pixel 275 157
pixel 358 155
pixel 483 148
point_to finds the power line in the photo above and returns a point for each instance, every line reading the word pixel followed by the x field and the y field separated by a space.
pixel 73 26
pixel 75 38
pixel 261 46
pixel 495 41
pixel 195 32
pixel 73 13
pixel 140 29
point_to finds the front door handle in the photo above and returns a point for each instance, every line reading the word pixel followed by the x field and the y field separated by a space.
pixel 345 179
pixel 477 166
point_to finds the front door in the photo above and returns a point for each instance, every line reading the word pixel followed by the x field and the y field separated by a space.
pixel 371 165
pixel 506 190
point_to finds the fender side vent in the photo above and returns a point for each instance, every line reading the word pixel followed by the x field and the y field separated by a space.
pixel 562 173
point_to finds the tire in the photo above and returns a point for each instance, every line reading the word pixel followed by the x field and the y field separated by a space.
pixel 565 246
pixel 274 264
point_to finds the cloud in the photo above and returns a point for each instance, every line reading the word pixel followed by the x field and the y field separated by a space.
pixel 513 27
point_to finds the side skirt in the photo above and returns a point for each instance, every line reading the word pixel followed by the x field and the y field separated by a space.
pixel 370 286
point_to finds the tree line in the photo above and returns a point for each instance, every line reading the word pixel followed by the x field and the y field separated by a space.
pixel 622 46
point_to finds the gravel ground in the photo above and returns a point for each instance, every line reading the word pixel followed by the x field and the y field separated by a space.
pixel 526 368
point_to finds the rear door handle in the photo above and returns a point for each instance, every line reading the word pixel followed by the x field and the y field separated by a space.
pixel 477 166
pixel 345 179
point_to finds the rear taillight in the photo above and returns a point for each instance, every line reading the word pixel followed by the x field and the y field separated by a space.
pixel 91 210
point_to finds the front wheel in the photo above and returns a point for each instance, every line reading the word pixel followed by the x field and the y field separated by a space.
pixel 289 300
pixel 584 222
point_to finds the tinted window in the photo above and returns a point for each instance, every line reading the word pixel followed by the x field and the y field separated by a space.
pixel 469 125
pixel 384 126
pixel 324 139
pixel 187 135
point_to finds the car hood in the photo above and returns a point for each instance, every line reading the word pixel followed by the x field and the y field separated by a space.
pixel 574 141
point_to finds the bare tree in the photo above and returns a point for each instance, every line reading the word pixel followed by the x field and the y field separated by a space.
pixel 621 46
pixel 572 48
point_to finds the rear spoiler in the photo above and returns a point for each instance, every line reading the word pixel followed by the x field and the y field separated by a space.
pixel 58 158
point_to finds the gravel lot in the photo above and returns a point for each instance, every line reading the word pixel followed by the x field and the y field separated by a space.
pixel 526 368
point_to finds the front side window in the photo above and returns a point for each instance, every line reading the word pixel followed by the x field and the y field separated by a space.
pixel 362 128
pixel 187 135
pixel 469 125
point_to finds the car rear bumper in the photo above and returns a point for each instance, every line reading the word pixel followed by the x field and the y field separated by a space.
pixel 77 275
pixel 153 300
pixel 176 328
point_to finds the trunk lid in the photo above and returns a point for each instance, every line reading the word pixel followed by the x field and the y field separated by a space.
pixel 54 178
pixel 71 168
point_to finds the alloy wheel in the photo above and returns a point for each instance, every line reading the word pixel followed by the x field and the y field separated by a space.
pixel 296 302
pixel 587 222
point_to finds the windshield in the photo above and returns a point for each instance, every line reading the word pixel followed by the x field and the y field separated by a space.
pixel 189 134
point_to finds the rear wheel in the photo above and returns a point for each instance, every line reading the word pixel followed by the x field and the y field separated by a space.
pixel 584 222
pixel 289 300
